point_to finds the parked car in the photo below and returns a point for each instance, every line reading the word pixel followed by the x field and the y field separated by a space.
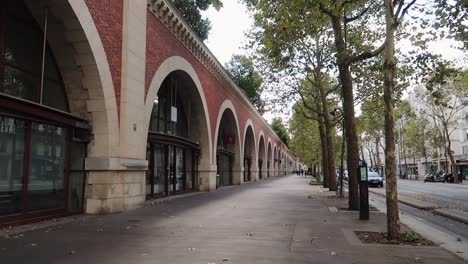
pixel 374 179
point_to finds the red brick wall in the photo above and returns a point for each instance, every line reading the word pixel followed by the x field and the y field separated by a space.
pixel 162 44
pixel 108 18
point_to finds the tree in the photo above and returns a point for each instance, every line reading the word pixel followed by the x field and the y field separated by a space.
pixel 243 73
pixel 305 140
pixel 280 130
pixel 190 10
pixel 415 136
pixel 444 98
pixel 449 15
pixel 372 126
pixel 402 114
pixel 395 10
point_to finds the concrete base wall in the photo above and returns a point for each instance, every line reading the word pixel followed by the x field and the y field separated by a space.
pixel 114 191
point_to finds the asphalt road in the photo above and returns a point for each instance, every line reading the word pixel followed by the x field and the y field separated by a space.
pixel 454 196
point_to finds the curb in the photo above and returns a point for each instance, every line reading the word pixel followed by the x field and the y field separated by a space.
pixel 453 214
pixel 411 201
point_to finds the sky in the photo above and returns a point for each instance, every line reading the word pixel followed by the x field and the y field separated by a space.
pixel 229 25
pixel 228 35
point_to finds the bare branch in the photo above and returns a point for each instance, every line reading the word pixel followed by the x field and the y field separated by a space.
pixel 368 54
pixel 405 10
pixel 356 17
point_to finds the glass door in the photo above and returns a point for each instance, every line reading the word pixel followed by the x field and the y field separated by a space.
pixel 12 161
pixel 179 170
pixel 46 183
pixel 159 169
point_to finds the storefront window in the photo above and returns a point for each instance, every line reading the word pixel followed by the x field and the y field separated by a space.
pixel 12 141
pixel 41 152
pixel 47 167
pixel 28 68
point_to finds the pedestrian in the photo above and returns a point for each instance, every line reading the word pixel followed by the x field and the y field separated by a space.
pixel 302 172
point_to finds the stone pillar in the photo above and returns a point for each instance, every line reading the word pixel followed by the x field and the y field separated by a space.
pixel 207 177
pixel 114 184
pixel 116 181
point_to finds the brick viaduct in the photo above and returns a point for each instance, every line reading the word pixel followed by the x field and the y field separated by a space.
pixel 114 56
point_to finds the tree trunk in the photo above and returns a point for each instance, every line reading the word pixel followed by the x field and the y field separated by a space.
pixel 370 158
pixel 348 109
pixel 453 168
pixel 378 162
pixel 393 219
pixel 323 143
pixel 329 138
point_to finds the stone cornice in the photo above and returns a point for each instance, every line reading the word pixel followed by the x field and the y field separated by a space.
pixel 165 12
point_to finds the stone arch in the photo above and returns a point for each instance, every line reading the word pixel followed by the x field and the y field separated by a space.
pixel 179 66
pixel 228 112
pixel 261 156
pixel 177 63
pixel 269 159
pixel 249 151
pixel 82 61
pixel 275 160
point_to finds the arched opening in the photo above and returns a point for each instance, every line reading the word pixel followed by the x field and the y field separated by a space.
pixel 269 160
pixel 249 154
pixel 228 150
pixel 44 129
pixel 275 161
pixel 177 137
pixel 261 158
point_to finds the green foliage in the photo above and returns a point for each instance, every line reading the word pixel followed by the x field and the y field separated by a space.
pixel 190 10
pixel 305 140
pixel 452 15
pixel 415 135
pixel 249 80
pixel 404 110
pixel 280 129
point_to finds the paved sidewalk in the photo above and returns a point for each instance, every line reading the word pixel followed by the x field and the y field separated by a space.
pixel 282 220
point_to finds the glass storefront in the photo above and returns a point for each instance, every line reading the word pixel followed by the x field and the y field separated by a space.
pixel 224 164
pixel 260 173
pixel 41 168
pixel 46 183
pixel 12 155
pixel 172 156
pixel 42 150
pixel 247 168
